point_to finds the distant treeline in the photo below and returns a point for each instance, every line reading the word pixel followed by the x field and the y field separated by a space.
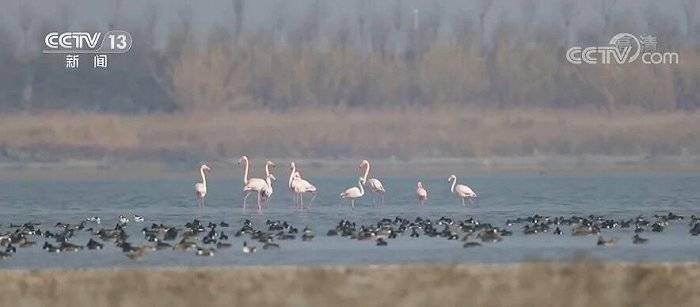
pixel 393 58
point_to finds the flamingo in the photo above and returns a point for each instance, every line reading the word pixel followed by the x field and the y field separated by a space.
pixel 267 191
pixel 200 188
pixel 354 192
pixel 374 184
pixel 460 190
pixel 253 184
pixel 421 193
pixel 299 186
pixel 302 186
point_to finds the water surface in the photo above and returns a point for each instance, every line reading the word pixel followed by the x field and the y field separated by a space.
pixel 501 197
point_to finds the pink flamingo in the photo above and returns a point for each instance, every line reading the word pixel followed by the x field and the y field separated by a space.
pixel 374 184
pixel 253 184
pixel 354 192
pixel 421 193
pixel 302 186
pixel 299 186
pixel 200 188
pixel 460 190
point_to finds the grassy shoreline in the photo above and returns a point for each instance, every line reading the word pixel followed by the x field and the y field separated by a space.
pixel 528 284
pixel 429 167
pixel 342 134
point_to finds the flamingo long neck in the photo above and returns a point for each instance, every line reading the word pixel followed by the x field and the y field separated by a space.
pixel 267 169
pixel 454 183
pixel 245 172
pixel 362 189
pixel 204 178
pixel 366 171
pixel 291 175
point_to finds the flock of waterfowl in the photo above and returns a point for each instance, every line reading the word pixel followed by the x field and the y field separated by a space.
pixel 208 238
pixel 300 186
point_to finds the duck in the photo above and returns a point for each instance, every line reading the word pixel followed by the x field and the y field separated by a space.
pixel 607 243
pixel 94 219
pixel 695 230
pixel 308 234
pixel 10 249
pixel 248 249
pixel 92 245
pixel 270 245
pixel 490 235
pixel 381 242
pixel 471 244
pixel 138 218
pixel 223 245
pixel 51 248
pixel 639 240
pixel 206 252
pixel 68 247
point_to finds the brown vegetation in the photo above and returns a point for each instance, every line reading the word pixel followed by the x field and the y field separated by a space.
pixel 348 133
pixel 533 284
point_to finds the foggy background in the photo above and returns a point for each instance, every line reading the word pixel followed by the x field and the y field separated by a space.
pixel 242 54
pixel 336 79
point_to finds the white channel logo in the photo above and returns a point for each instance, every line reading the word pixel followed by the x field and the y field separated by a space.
pixel 623 48
pixel 114 41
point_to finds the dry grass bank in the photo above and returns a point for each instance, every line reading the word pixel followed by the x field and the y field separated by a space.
pixel 349 133
pixel 535 284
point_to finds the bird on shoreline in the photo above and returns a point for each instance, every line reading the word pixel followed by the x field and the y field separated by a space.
pixel 460 190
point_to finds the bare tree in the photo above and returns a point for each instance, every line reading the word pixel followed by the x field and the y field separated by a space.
pixel 379 35
pixel 607 10
pixel 238 12
pixel 690 9
pixel 361 21
pixel 483 9
pixel 26 18
pixel 568 12
pixel 279 20
pixel 398 15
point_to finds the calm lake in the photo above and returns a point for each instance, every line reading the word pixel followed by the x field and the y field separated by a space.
pixel 501 197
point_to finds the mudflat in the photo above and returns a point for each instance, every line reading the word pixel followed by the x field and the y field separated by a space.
pixel 528 284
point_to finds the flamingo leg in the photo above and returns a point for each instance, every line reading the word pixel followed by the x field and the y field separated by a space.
pixel 312 199
pixel 301 200
pixel 382 198
pixel 259 204
pixel 352 203
pixel 247 193
pixel 463 204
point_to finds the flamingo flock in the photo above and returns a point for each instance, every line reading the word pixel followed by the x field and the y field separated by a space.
pixel 299 186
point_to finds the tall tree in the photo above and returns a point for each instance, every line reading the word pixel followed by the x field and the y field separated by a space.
pixel 238 12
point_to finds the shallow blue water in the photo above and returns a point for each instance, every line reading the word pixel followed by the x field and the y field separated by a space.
pixel 500 197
